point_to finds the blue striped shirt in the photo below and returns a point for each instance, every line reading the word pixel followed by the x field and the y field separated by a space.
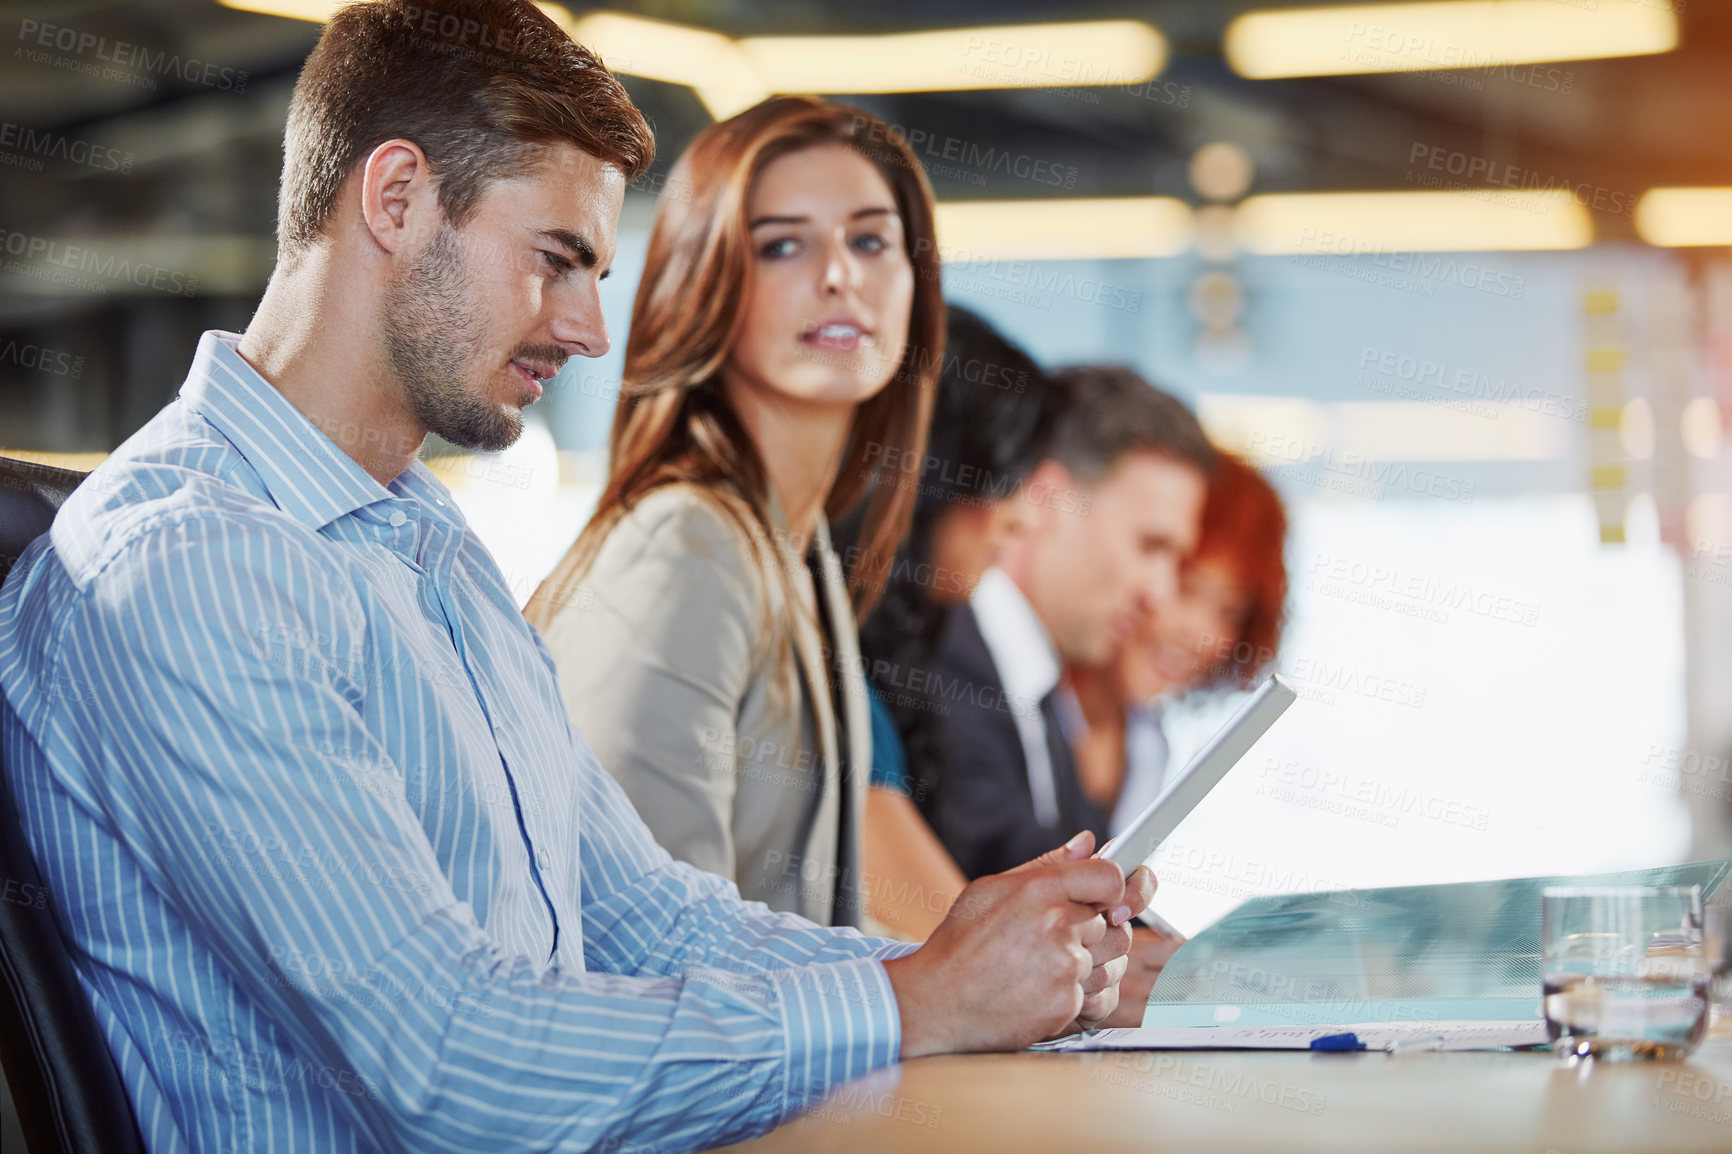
pixel 338 873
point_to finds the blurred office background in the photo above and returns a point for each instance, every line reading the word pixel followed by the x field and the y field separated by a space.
pixel 1454 273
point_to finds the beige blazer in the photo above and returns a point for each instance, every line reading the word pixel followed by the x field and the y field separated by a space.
pixel 729 751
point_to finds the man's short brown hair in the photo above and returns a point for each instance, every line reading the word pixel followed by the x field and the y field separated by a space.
pixel 479 85
pixel 1109 411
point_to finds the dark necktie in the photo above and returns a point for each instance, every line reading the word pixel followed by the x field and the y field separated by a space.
pixel 1075 811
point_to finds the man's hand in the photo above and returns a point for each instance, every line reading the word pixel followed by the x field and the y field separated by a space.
pixel 1102 989
pixel 1149 951
pixel 1024 955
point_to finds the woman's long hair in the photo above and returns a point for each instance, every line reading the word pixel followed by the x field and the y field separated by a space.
pixel 1245 525
pixel 675 425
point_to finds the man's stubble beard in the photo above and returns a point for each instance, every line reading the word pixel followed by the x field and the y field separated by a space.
pixel 433 343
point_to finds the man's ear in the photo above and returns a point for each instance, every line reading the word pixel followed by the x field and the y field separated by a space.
pixel 1050 492
pixel 399 197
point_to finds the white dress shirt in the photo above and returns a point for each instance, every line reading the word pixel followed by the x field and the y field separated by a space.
pixel 1146 755
pixel 1028 668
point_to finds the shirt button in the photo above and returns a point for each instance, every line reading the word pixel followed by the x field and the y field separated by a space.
pixel 542 860
pixel 398 518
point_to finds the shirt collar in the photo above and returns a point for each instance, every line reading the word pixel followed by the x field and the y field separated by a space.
pixel 1150 710
pixel 1020 646
pixel 306 474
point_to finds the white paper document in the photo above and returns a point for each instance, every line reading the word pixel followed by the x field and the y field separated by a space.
pixel 1394 1036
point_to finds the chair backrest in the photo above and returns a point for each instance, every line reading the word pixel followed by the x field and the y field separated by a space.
pixel 61 1077
pixel 30 495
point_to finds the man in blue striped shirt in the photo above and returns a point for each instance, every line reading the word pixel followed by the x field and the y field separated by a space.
pixel 337 872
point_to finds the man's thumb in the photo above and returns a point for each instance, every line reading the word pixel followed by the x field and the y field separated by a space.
pixel 1076 849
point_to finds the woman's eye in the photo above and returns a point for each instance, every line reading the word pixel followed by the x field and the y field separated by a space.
pixel 871 242
pixel 780 247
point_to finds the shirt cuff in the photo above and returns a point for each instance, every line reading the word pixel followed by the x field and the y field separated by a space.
pixel 840 1021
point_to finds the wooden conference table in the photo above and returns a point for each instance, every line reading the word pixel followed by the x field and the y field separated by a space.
pixel 1251 1101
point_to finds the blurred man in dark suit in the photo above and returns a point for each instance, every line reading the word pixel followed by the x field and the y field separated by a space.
pixel 1112 512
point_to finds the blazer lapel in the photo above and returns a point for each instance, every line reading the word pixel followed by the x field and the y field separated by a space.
pixel 809 642
pixel 854 768
pixel 847 669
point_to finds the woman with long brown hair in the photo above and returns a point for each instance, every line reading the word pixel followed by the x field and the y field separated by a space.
pixel 785 341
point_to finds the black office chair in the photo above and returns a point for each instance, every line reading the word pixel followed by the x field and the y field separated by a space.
pixel 62 1079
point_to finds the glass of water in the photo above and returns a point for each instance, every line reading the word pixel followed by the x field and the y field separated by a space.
pixel 1626 971
pixel 1718 922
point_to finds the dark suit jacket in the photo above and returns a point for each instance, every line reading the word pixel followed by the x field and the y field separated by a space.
pixel 980 805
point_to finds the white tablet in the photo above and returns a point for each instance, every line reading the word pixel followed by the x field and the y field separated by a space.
pixel 1139 842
